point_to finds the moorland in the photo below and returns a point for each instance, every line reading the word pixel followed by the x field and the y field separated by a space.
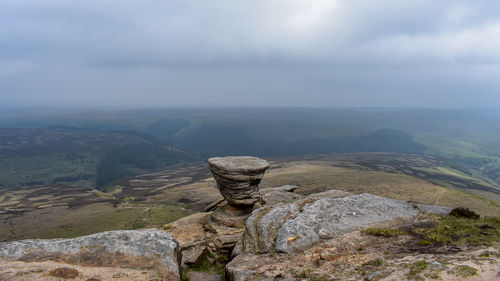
pixel 65 173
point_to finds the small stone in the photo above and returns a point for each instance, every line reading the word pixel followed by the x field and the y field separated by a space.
pixel 194 256
pixel 64 272
pixel 120 275
pixel 329 255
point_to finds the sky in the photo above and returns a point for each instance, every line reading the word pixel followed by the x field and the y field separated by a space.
pixel 162 53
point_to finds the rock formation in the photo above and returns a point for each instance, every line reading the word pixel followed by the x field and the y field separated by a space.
pixel 295 227
pixel 238 178
pixel 137 249
pixel 285 236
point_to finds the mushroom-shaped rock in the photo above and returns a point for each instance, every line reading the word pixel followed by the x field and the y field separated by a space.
pixel 238 178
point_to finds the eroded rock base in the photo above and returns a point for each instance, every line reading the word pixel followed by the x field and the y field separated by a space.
pixel 357 256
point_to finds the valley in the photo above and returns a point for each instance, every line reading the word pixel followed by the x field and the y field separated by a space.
pixel 154 199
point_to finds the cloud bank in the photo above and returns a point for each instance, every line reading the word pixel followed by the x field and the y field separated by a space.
pixel 263 52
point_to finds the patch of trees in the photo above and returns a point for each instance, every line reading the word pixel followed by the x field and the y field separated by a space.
pixel 212 140
pixel 457 166
pixel 474 161
pixel 165 128
pixel 133 159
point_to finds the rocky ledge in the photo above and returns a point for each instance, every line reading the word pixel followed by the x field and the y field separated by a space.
pixel 277 235
pixel 295 227
pixel 133 249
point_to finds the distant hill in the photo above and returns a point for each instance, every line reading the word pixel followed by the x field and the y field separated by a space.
pixel 211 140
pixel 469 140
pixel 76 156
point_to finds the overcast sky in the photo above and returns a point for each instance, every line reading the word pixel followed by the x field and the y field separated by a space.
pixel 415 53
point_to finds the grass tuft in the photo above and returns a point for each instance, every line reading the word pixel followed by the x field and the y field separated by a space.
pixel 375 262
pixel 416 269
pixel 384 232
pixel 424 243
pixel 465 271
pixel 458 230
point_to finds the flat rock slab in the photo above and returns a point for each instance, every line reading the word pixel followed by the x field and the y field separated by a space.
pixel 434 209
pixel 123 248
pixel 295 227
pixel 246 165
pixel 43 271
pixel 188 231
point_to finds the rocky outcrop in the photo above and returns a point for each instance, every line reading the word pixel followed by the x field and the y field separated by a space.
pixel 238 178
pixel 358 257
pixel 138 249
pixel 295 227
pixel 52 271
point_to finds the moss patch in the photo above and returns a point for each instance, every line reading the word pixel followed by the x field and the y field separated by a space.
pixel 384 232
pixel 465 271
pixel 459 230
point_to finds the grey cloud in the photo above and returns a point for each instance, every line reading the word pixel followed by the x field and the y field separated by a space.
pixel 232 52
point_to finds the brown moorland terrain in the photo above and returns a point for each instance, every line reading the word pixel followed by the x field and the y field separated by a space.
pixel 154 199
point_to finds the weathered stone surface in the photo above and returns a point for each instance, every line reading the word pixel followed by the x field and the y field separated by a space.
pixel 377 275
pixel 285 188
pixel 194 256
pixel 189 231
pixel 262 227
pixel 230 216
pixel 434 209
pixel 299 225
pixel 237 270
pixel 349 263
pixel 64 272
pixel 326 218
pixel 276 197
pixel 330 194
pixel 41 271
pixel 123 248
pixel 238 178
pixel 318 237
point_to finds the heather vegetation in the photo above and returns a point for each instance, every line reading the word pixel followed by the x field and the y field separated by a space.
pixel 95 148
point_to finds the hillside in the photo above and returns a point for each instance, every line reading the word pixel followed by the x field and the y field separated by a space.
pixel 311 232
pixel 156 198
pixel 467 139
pixel 78 157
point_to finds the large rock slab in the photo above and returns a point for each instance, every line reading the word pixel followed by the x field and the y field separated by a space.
pixel 138 249
pixel 238 178
pixel 326 218
pixel 188 231
pixel 295 227
pixel 262 227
